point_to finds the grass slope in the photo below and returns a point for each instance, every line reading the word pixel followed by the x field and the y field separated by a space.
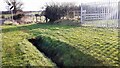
pixel 74 45
pixel 17 51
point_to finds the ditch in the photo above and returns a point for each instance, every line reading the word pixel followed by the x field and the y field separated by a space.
pixel 36 43
pixel 63 54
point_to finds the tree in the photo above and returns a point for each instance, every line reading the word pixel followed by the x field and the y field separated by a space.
pixel 54 12
pixel 17 4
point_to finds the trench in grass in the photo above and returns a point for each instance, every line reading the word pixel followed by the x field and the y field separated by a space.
pixel 58 53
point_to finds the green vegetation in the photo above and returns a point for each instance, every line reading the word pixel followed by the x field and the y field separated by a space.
pixel 54 12
pixel 67 45
pixel 17 51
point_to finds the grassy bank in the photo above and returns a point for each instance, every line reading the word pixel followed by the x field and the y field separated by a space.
pixel 68 45
pixel 18 51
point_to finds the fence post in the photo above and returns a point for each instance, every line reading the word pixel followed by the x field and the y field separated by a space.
pixel 12 15
pixel 81 15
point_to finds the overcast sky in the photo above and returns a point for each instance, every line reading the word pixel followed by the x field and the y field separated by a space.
pixel 35 5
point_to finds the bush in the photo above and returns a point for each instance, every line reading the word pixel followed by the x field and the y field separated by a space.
pixel 54 12
pixel 18 16
pixel 2 17
pixel 37 15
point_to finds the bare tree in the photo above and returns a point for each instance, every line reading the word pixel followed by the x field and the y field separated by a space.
pixel 17 4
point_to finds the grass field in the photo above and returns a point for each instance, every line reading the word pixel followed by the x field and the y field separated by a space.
pixel 66 45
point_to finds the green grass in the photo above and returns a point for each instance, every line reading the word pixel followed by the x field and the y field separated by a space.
pixel 71 45
pixel 17 51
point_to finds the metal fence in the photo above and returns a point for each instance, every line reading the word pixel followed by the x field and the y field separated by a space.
pixel 102 14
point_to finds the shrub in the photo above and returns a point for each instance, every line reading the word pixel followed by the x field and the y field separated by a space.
pixel 2 16
pixel 36 15
pixel 18 16
pixel 54 12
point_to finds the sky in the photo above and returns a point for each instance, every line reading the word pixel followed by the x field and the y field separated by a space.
pixel 35 5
